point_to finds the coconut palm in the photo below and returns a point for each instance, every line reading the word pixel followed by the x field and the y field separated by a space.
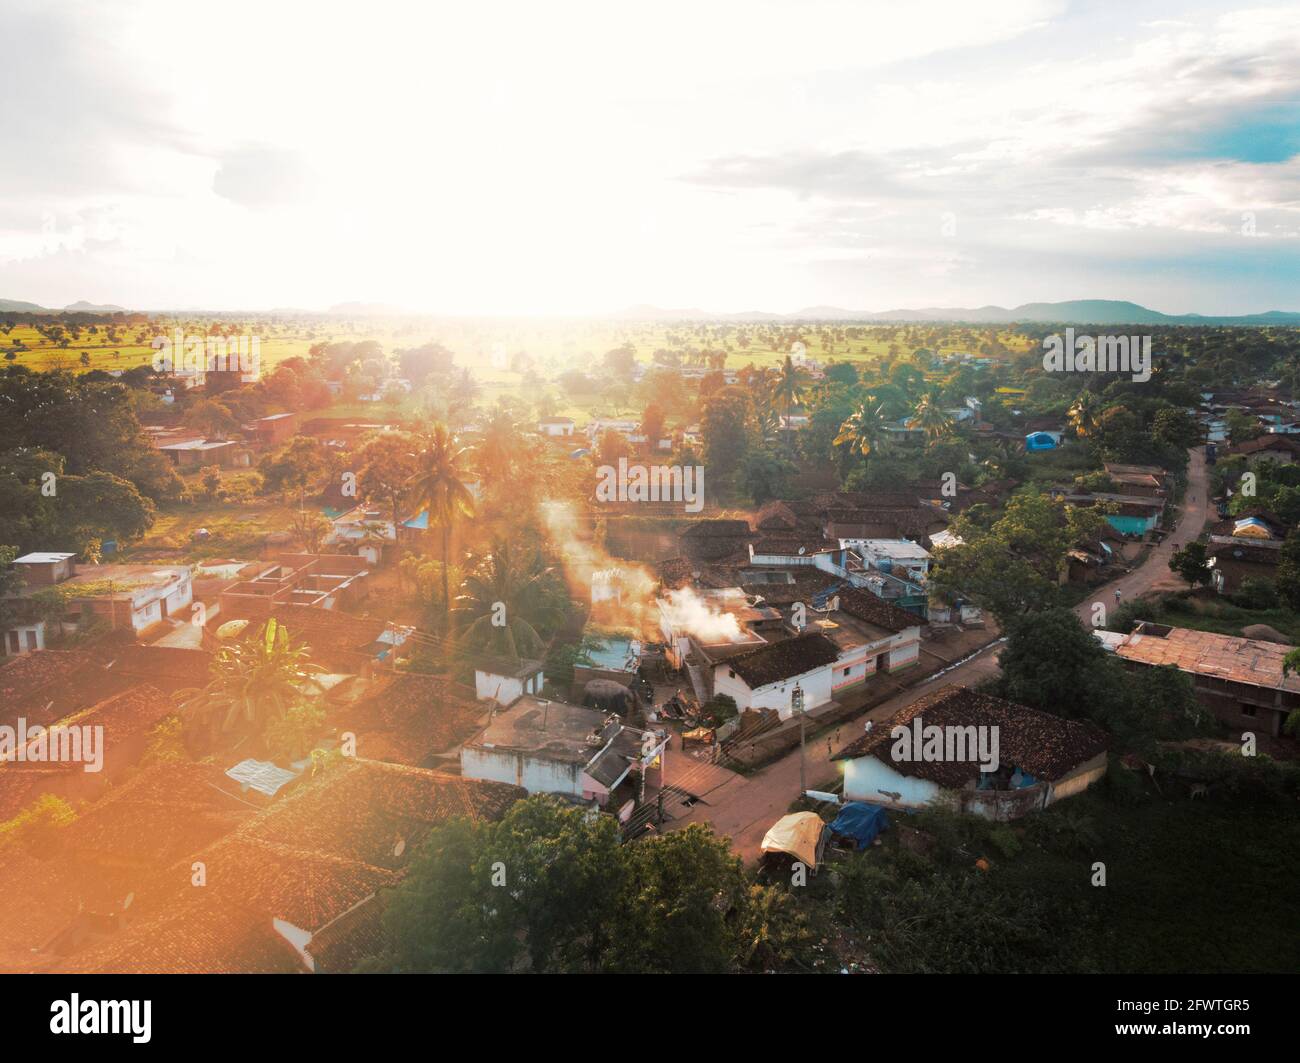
pixel 498 446
pixel 862 431
pixel 789 386
pixel 1084 413
pixel 507 597
pixel 438 488
pixel 254 681
pixel 932 418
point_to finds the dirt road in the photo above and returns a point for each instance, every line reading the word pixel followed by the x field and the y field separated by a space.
pixel 745 807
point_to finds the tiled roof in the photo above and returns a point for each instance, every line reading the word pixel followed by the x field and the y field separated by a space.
pixel 409 717
pixel 329 633
pixel 315 858
pixel 1208 653
pixel 1270 441
pixel 875 610
pixel 166 667
pixel 784 660
pixel 1044 745
pixel 63 680
pixel 712 529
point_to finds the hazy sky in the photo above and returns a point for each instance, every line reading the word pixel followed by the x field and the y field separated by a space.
pixel 563 158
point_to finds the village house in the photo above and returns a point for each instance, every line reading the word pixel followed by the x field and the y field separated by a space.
pixel 274 429
pixel 1235 559
pixel 766 677
pixel 504 680
pixel 1041 758
pixel 580 754
pixel 556 427
pixel 1242 681
pixel 127 597
pixel 1269 447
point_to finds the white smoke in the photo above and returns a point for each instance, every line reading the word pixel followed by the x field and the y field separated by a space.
pixel 686 611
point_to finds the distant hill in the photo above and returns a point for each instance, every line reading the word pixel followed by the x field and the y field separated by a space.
pixel 1073 311
pixel 83 307
pixel 17 307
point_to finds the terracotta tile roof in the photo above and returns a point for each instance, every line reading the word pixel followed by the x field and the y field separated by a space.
pixel 330 634
pixel 160 814
pixel 314 858
pixel 63 680
pixel 718 528
pixel 784 660
pixel 1207 653
pixel 776 515
pixel 190 936
pixel 1044 745
pixel 408 717
pixel 875 610
pixel 361 809
pixel 169 668
pixel 1270 441
pixel 42 900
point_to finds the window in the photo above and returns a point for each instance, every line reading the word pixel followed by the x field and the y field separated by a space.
pixel 848 670
pixel 1248 710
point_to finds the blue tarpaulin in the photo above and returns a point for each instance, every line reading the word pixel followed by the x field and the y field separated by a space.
pixel 861 822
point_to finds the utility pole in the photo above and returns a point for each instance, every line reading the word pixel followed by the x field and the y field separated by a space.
pixel 796 703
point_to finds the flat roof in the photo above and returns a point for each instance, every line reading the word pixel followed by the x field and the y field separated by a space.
pixel 1207 653
pixel 41 558
pixel 552 729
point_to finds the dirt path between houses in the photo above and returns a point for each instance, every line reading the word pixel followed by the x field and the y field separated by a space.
pixel 746 806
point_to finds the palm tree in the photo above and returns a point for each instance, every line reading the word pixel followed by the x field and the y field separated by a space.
pixel 789 386
pixel 1083 414
pixel 255 681
pixel 438 488
pixel 498 446
pixel 506 598
pixel 863 429
pixel 932 418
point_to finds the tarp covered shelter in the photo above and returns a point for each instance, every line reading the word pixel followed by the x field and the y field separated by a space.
pixel 798 834
pixel 861 822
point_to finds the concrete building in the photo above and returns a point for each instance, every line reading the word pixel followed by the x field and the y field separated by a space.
pixel 551 747
pixel 1242 681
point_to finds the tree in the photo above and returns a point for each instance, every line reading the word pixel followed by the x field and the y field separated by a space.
pixel 1176 428
pixel 499 445
pixel 862 431
pixel 540 887
pixel 438 488
pixel 727 426
pixel 385 465
pixel 1191 564
pixel 685 892
pixel 1288 572
pixel 765 474
pixel 210 417
pixel 1011 563
pixel 300 467
pixel 254 682
pixel 933 419
pixel 508 596
pixel 309 529
pixel 1053 663
pixel 1083 414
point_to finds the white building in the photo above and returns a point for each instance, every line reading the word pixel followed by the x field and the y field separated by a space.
pixel 505 681
pixel 551 747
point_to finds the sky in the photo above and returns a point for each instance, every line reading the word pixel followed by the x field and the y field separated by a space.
pixel 574 158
